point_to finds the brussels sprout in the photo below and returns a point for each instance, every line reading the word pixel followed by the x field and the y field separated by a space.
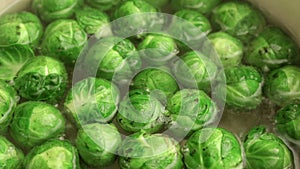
pixel 228 48
pixel 12 58
pixel 92 100
pixel 103 5
pixel 141 111
pixel 137 22
pixel 287 121
pixel 158 3
pixel 191 27
pixel 282 85
pixel 157 49
pixel 64 39
pixel 239 19
pixel 53 154
pixel 10 156
pixel 8 102
pixel 264 150
pixel 42 78
pixel 202 6
pixel 212 148
pixel 195 70
pixel 98 143
pixel 155 80
pixel 20 28
pixel 190 110
pixel 271 49
pixel 243 87
pixel 155 151
pixel 50 10
pixel 116 57
pixel 91 20
pixel 35 122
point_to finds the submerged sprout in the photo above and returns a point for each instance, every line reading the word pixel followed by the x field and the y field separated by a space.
pixel 141 111
pixel 239 19
pixel 155 151
pixel 264 150
pixel 64 39
pixel 20 28
pixel 36 122
pixel 8 102
pixel 212 148
pixel 92 100
pixel 103 5
pixel 10 156
pixel 53 154
pixel 12 59
pixel 271 49
pixel 50 10
pixel 190 111
pixel 42 78
pixel 287 121
pixel 283 85
pixel 228 48
pixel 98 143
pixel 91 20
pixel 202 6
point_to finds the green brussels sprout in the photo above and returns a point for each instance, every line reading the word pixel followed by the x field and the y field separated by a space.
pixel 35 122
pixel 50 10
pixel 138 21
pixel 10 156
pixel 155 80
pixel 12 59
pixel 191 28
pixel 212 148
pixel 264 150
pixel 243 87
pixel 147 151
pixel 239 19
pixel 282 85
pixel 194 70
pixel 287 121
pixel 271 49
pixel 98 143
pixel 8 102
pixel 141 111
pixel 20 28
pixel 42 78
pixel 228 48
pixel 103 5
pixel 91 20
pixel 64 39
pixel 158 3
pixel 53 154
pixel 202 6
pixel 115 57
pixel 92 100
pixel 190 111
pixel 157 49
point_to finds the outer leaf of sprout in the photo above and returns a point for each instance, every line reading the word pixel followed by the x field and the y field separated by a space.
pixel 158 3
pixel 202 6
pixel 103 4
pixel 10 155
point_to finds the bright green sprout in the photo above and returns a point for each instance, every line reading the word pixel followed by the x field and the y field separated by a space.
pixel 53 154
pixel 239 19
pixel 42 78
pixel 64 39
pixel 20 28
pixel 264 150
pixel 97 144
pixel 271 49
pixel 283 85
pixel 10 156
pixel 103 5
pixel 141 111
pixel 155 151
pixel 202 6
pixel 92 100
pixel 158 3
pixel 50 10
pixel 212 148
